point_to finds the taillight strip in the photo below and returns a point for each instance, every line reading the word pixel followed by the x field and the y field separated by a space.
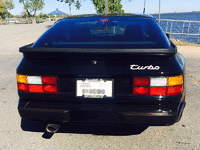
pixel 158 86
pixel 37 84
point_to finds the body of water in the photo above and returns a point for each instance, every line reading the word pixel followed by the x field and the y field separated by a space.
pixel 178 26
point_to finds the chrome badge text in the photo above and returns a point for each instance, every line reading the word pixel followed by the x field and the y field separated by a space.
pixel 137 67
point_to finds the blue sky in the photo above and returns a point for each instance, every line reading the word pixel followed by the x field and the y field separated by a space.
pixel 135 6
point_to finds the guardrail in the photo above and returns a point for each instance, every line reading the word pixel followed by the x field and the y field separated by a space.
pixel 181 27
pixel 23 22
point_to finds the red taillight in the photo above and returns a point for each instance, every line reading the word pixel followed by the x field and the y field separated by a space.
pixel 50 89
pixel 158 86
pixel 36 88
pixel 37 84
pixel 140 90
pixel 141 81
pixel 175 90
pixel 49 80
pixel 141 86
pixel 23 87
pixel 157 91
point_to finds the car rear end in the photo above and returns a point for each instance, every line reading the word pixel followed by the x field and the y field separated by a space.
pixel 102 69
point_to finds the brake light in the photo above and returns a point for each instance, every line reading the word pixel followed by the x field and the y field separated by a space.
pixel 49 80
pixel 50 89
pixel 175 90
pixel 23 87
pixel 141 81
pixel 37 84
pixel 158 86
pixel 35 89
pixel 140 91
pixel 157 91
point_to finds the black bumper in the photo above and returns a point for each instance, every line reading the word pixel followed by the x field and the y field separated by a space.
pixel 45 114
pixel 142 115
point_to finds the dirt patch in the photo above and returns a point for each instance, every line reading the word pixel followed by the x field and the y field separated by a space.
pixel 181 43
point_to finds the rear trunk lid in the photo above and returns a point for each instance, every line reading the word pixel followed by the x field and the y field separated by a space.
pixel 97 62
pixel 120 66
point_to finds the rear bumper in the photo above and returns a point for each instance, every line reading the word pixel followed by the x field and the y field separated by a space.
pixel 45 114
pixel 142 115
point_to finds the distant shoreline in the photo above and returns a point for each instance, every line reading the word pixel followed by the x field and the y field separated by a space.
pixel 177 12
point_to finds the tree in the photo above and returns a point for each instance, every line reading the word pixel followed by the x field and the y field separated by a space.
pixel 42 16
pixel 2 9
pixel 4 6
pixel 31 7
pixel 45 16
pixel 10 15
pixel 70 2
pixel 114 6
pixel 24 14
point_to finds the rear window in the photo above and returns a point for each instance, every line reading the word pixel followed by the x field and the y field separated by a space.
pixel 105 32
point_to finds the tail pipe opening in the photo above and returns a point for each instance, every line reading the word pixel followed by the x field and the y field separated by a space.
pixel 52 128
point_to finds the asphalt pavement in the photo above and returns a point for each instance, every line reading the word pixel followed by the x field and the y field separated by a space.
pixel 17 134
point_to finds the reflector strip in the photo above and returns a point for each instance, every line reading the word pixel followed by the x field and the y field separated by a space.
pixel 158 82
pixel 34 80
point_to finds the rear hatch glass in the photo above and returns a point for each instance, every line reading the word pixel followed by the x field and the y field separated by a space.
pixel 105 32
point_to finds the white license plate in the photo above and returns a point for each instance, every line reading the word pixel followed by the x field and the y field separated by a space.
pixel 94 88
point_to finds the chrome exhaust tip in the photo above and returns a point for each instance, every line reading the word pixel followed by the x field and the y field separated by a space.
pixel 52 128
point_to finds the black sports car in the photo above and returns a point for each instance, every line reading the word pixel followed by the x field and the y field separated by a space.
pixel 116 69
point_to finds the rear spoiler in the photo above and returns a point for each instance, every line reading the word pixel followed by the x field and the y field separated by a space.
pixel 29 48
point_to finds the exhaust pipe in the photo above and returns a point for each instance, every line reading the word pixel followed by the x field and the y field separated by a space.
pixel 52 128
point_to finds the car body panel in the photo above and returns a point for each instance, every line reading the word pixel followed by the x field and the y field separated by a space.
pixel 118 65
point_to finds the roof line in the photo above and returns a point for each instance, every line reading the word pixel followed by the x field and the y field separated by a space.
pixel 110 15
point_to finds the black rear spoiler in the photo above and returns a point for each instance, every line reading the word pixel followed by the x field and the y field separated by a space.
pixel 29 48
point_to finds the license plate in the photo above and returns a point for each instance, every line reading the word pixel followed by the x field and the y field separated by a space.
pixel 94 88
